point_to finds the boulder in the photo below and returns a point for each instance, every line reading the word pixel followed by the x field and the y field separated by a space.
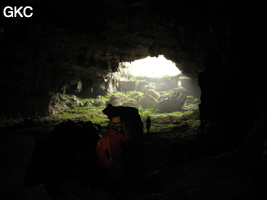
pixel 117 99
pixel 74 100
pixel 132 103
pixel 132 120
pixel 57 103
pixel 137 95
pixel 141 85
pixel 171 102
pixel 152 93
pixel 149 86
pixel 127 85
pixel 147 101
pixel 67 153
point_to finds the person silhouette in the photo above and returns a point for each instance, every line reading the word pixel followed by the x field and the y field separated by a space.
pixel 148 124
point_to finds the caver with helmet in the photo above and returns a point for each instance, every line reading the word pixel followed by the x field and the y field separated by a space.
pixel 117 133
pixel 116 123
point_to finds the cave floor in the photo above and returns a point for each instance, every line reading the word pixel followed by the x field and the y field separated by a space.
pixel 174 167
pixel 169 165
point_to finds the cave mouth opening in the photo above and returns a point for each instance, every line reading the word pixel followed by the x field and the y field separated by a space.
pixel 161 92
pixel 167 95
pixel 152 67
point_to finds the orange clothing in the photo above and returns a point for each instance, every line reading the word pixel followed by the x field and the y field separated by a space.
pixel 116 138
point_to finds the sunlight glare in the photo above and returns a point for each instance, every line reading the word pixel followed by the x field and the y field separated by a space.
pixel 153 67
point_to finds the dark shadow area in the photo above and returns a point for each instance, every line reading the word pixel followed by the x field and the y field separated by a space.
pixel 61 163
pixel 61 82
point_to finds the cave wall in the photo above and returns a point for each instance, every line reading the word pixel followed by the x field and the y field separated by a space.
pixel 64 43
pixel 230 103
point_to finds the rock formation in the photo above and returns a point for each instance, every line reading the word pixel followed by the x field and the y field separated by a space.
pixel 217 44
pixel 132 120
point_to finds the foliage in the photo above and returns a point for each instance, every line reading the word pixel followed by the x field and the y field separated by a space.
pixel 191 103
pixel 176 114
pixel 166 93
pixel 92 110
pixel 137 82
pixel 166 77
pixel 184 122
pixel 100 102
pixel 185 127
pixel 162 128
pixel 85 100
pixel 145 112
pixel 114 94
pixel 86 113
pixel 134 95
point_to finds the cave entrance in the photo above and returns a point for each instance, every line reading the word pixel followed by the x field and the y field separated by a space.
pixel 158 89
pixel 153 67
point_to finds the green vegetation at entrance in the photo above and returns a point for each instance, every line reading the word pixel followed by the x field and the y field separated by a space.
pixel 90 109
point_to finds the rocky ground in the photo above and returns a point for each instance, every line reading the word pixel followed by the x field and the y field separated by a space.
pixel 169 165
pixel 176 167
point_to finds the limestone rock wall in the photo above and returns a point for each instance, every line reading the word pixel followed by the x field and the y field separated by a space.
pixel 213 43
pixel 228 109
pixel 71 42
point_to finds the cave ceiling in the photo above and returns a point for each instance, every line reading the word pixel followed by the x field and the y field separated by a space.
pixel 101 34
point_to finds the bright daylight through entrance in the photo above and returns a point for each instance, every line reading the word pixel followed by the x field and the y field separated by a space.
pixel 153 67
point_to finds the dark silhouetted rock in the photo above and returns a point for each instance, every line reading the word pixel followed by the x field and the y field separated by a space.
pixel 131 118
pixel 67 153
